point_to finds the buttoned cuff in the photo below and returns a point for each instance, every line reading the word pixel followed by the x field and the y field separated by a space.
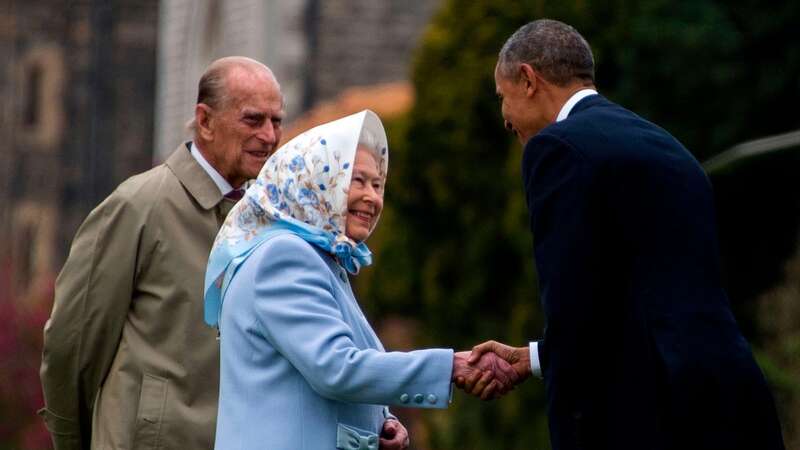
pixel 536 366
pixel 432 388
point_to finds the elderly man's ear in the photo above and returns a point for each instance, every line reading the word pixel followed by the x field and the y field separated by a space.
pixel 204 120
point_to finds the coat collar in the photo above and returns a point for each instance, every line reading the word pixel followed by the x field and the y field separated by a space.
pixel 193 177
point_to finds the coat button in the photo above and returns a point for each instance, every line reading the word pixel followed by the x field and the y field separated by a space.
pixel 432 399
pixel 404 398
pixel 418 398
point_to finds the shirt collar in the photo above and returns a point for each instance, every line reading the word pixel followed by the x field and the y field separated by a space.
pixel 576 97
pixel 222 183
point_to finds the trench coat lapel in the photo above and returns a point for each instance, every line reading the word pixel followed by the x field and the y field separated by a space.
pixel 193 177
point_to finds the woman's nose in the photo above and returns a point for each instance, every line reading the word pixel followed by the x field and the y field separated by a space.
pixel 372 195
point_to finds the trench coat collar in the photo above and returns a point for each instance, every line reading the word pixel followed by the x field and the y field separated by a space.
pixel 193 177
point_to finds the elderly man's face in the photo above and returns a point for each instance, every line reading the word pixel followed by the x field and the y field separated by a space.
pixel 247 129
pixel 518 109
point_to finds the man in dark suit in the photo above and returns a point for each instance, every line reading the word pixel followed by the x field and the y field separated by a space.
pixel 640 350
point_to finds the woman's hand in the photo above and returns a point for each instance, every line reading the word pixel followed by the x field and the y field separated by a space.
pixel 394 436
pixel 487 376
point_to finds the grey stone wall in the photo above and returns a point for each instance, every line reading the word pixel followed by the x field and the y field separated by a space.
pixel 362 42
pixel 196 32
pixel 79 79
pixel 317 48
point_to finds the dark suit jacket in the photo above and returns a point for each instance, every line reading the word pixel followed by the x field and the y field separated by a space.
pixel 640 350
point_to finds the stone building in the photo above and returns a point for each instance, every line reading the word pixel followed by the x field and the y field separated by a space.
pixel 77 83
pixel 316 48
pixel 78 79
pixel 101 89
pixel 195 32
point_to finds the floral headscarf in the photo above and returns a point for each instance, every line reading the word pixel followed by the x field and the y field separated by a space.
pixel 302 189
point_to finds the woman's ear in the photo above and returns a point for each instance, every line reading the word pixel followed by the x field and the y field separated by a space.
pixel 204 121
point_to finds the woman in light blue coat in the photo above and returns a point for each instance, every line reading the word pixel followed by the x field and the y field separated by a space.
pixel 301 368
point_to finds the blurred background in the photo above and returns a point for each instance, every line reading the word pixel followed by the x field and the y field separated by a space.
pixel 95 91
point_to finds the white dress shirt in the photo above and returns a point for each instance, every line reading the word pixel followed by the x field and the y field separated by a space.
pixel 533 347
pixel 576 97
pixel 222 183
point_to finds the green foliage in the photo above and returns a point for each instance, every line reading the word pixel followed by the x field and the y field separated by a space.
pixel 453 248
pixel 454 251
pixel 712 73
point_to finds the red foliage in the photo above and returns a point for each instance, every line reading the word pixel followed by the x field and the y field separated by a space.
pixel 21 324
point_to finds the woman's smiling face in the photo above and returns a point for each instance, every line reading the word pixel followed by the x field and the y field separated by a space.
pixel 365 197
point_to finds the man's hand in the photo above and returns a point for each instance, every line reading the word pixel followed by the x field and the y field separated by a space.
pixel 518 357
pixel 488 377
pixel 394 436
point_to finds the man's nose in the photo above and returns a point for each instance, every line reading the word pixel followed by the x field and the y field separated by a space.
pixel 267 133
pixel 508 125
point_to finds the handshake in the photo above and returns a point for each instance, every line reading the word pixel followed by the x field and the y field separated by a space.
pixel 491 369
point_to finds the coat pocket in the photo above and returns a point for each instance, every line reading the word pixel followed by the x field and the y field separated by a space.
pixel 57 424
pixel 352 438
pixel 149 416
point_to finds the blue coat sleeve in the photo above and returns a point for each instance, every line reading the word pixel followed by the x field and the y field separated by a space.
pixel 299 315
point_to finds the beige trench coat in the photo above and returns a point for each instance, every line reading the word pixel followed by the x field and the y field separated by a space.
pixel 128 362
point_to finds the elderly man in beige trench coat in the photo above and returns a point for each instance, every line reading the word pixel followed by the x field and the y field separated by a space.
pixel 128 362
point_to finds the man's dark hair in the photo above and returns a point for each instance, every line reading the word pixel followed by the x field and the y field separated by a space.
pixel 554 49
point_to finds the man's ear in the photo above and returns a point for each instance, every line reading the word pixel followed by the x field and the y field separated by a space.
pixel 204 121
pixel 529 77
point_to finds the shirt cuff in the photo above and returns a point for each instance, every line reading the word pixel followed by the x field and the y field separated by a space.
pixel 387 415
pixel 450 399
pixel 536 366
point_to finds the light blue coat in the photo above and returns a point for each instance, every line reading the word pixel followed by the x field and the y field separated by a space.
pixel 301 367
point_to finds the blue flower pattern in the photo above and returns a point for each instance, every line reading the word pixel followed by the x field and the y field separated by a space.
pixel 297 164
pixel 307 197
pixel 272 193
